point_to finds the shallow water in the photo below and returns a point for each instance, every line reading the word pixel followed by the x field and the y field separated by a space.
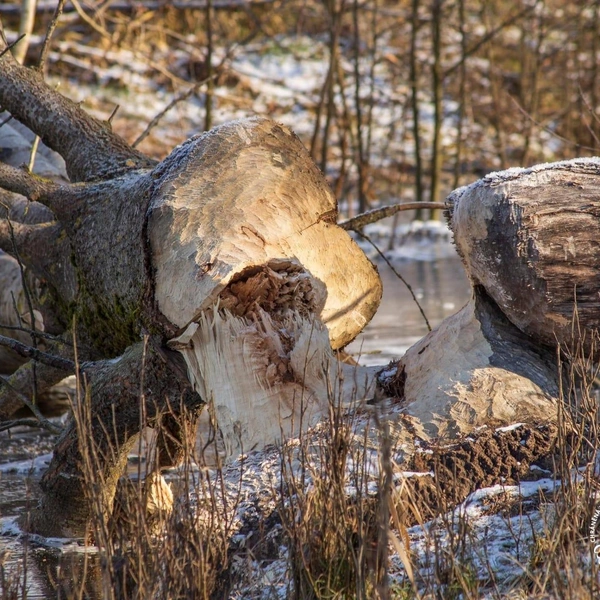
pixel 441 288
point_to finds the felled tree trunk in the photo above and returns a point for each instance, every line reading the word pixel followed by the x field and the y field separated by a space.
pixel 529 239
pixel 229 245
pixel 228 252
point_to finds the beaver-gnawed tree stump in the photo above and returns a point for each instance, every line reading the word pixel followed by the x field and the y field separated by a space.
pixel 220 277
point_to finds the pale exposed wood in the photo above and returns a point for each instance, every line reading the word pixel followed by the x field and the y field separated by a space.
pixel 244 195
pixel 476 369
pixel 266 379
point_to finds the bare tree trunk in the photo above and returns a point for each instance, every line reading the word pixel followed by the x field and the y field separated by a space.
pixel 462 99
pixel 363 159
pixel 25 29
pixel 437 86
pixel 210 84
pixel 496 92
pixel 414 87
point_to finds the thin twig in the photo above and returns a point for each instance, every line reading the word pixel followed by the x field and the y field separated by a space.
pixel 180 98
pixel 46 45
pixel 488 37
pixel 34 148
pixel 4 426
pixel 35 333
pixel 389 264
pixel 113 113
pixel 102 31
pixel 64 364
pixel 371 216
pixel 27 293
pixel 9 47
pixel 547 129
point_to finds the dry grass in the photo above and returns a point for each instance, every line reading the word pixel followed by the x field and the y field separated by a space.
pixel 342 535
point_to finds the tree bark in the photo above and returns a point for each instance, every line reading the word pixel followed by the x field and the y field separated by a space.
pixel 530 238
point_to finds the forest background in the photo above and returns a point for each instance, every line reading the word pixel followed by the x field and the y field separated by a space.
pixel 395 100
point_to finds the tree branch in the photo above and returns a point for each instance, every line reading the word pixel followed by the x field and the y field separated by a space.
pixel 21 181
pixel 23 423
pixel 90 149
pixel 20 210
pixel 371 216
pixel 17 388
pixel 38 334
pixel 56 362
pixel 39 421
pixel 28 238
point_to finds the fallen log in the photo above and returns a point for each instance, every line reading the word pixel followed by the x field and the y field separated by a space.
pixel 229 244
pixel 229 252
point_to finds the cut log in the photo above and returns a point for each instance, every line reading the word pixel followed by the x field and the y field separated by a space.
pixel 244 197
pixel 229 252
pixel 475 369
pixel 531 238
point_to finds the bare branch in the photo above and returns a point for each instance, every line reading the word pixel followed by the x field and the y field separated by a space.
pixel 9 47
pixel 26 351
pixel 35 333
pixel 16 390
pixel 48 38
pixel 27 237
pixel 40 420
pixel 44 250
pixel 180 98
pixel 6 425
pixel 20 210
pixel 21 181
pixel 90 149
pixel 371 216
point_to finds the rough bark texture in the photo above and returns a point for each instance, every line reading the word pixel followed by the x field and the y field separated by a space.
pixel 90 149
pixel 124 396
pixel 531 238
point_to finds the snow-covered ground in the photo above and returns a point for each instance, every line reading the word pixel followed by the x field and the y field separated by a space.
pixel 493 531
